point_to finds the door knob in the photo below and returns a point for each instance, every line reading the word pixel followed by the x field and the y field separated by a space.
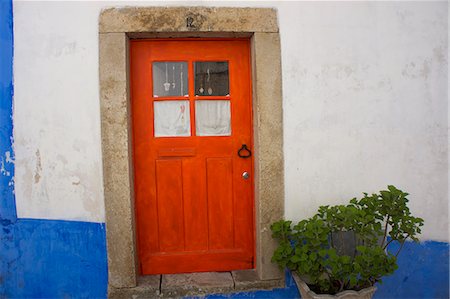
pixel 245 175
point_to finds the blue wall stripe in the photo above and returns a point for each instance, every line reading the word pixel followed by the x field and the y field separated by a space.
pixel 423 272
pixel 7 203
pixel 53 259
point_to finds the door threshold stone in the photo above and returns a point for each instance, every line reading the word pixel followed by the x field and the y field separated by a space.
pixel 194 284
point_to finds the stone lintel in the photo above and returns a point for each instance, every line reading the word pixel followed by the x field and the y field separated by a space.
pixel 186 19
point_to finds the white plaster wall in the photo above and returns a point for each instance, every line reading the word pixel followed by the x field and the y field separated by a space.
pixel 365 105
pixel 448 118
pixel 56 112
pixel 365 102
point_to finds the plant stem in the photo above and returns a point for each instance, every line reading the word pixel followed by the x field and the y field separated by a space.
pixel 341 288
pixel 385 246
pixel 326 271
pixel 385 230
pixel 401 246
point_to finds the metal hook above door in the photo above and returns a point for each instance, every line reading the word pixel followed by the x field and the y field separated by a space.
pixel 242 150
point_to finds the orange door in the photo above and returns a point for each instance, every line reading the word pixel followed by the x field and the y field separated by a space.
pixel 192 114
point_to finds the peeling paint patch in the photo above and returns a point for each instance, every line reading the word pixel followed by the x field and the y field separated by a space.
pixel 8 158
pixel 421 70
pixel 61 47
pixel 37 172
pixel 3 170
pixel 440 55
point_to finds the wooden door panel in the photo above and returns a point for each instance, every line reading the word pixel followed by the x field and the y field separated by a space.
pixel 243 205
pixel 169 190
pixel 220 203
pixel 194 210
pixel 147 211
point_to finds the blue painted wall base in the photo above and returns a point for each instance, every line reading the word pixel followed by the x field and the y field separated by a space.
pixel 53 259
pixel 423 272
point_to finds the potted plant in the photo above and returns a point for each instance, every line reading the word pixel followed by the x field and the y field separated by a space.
pixel 342 250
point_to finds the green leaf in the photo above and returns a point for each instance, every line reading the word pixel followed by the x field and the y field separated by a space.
pixel 295 259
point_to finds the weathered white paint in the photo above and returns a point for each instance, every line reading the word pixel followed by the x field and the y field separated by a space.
pixel 365 98
pixel 56 112
pixel 365 105
pixel 448 124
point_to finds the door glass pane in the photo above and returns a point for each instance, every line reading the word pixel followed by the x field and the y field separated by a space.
pixel 212 118
pixel 170 79
pixel 172 118
pixel 211 78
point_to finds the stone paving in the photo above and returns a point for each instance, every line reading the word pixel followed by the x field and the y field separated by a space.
pixel 234 284
pixel 288 291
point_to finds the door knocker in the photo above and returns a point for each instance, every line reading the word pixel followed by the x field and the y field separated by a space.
pixel 242 152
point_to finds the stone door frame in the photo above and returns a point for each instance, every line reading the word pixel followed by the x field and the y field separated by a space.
pixel 116 27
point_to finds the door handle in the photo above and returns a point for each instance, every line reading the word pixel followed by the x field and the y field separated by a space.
pixel 244 152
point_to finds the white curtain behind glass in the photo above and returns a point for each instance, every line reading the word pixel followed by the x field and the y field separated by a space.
pixel 212 118
pixel 172 118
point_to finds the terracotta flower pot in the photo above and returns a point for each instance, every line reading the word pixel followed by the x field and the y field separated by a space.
pixel 306 293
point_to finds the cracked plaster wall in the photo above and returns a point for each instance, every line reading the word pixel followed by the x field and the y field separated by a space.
pixel 364 95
